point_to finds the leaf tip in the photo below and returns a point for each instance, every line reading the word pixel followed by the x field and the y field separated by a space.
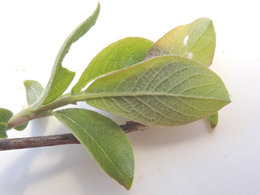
pixel 204 20
pixel 127 184
pixel 128 187
pixel 213 120
pixel 26 82
pixel 98 8
pixel 228 99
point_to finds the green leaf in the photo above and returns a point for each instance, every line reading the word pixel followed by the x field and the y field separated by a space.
pixel 163 91
pixel 61 77
pixel 33 91
pixel 5 116
pixel 59 82
pixel 22 126
pixel 196 41
pixel 120 54
pixel 213 120
pixel 104 139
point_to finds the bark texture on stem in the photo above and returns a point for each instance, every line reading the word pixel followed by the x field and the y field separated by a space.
pixel 54 140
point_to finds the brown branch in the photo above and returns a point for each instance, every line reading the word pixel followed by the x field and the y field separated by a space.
pixel 54 140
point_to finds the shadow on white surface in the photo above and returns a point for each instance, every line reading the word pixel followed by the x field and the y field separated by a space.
pixel 51 166
pixel 155 137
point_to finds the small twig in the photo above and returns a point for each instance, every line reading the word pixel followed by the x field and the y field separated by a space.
pixel 54 140
pixel 40 141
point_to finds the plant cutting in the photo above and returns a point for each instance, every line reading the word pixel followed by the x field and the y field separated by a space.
pixel 165 83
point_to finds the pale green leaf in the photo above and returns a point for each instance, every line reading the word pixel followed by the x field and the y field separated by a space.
pixel 104 139
pixel 213 120
pixel 5 116
pixel 166 90
pixel 196 41
pixel 61 77
pixel 33 91
pixel 120 54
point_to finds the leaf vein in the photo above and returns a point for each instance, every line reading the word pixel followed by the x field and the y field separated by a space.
pixel 154 110
pixel 172 108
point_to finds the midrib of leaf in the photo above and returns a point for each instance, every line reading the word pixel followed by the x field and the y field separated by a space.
pixel 87 134
pixel 133 94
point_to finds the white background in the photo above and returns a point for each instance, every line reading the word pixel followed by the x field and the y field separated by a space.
pixel 176 160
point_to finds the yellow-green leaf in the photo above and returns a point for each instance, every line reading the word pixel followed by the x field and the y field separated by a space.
pixel 196 41
pixel 166 90
pixel 120 54
pixel 104 139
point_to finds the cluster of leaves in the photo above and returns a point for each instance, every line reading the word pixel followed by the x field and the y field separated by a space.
pixel 157 84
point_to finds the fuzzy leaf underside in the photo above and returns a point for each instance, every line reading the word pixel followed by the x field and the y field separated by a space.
pixel 163 91
pixel 104 139
pixel 5 116
pixel 196 41
pixel 61 77
pixel 120 54
pixel 33 93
